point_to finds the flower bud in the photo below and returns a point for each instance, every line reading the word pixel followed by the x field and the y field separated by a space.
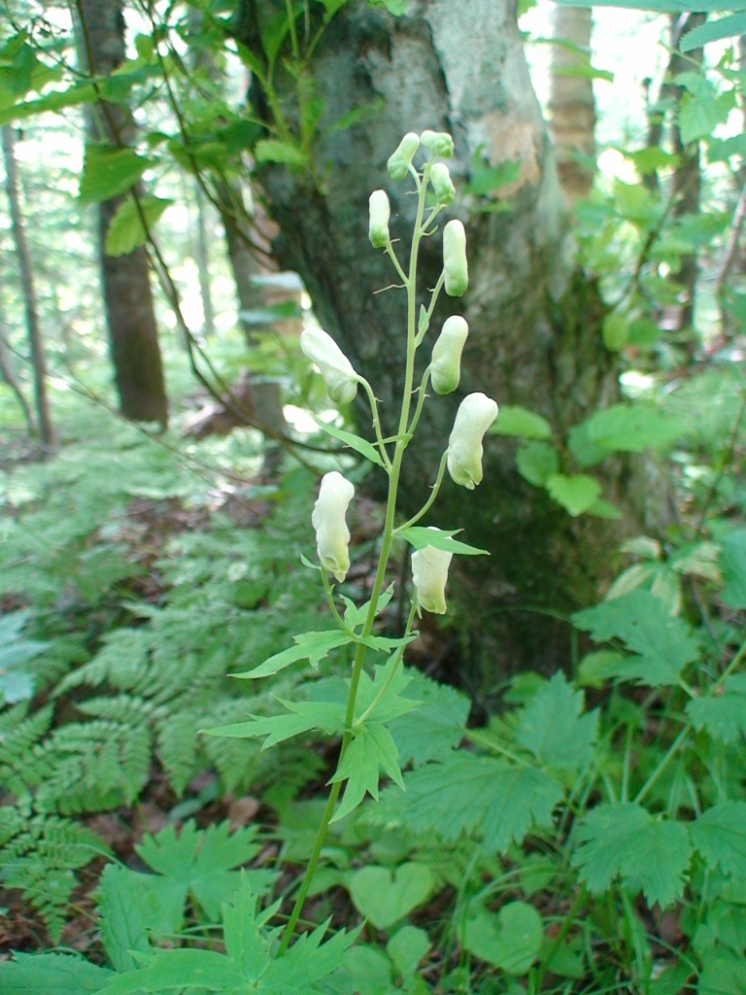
pixel 379 214
pixel 454 259
pixel 400 160
pixel 339 375
pixel 445 363
pixel 328 518
pixel 438 142
pixel 443 188
pixel 429 575
pixel 475 415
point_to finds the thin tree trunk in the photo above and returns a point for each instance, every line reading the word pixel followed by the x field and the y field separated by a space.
pixel 133 335
pixel 573 113
pixel 535 328
pixel 8 374
pixel 36 344
pixel 202 255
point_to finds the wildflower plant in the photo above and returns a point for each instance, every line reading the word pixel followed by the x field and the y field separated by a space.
pixel 374 699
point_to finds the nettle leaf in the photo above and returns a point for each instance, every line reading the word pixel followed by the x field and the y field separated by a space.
pixel 303 716
pixel 173 969
pixel 720 836
pixel 201 863
pixel 126 230
pixel 702 108
pixel 307 962
pixel 311 646
pixel 576 494
pixel 51 974
pixel 440 723
pixel 622 428
pixel 476 796
pixel 510 940
pixel 536 462
pixel 420 537
pixel 553 728
pixel 109 171
pixel 384 895
pixel 515 420
pixel 725 27
pixel 722 715
pixel 125 914
pixel 624 840
pixel 372 749
pixel 734 569
pixel 664 645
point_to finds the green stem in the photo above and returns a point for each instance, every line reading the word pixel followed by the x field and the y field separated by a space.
pixel 570 918
pixel 672 751
pixel 376 422
pixel 394 670
pixel 430 501
pixel 386 543
pixel 330 600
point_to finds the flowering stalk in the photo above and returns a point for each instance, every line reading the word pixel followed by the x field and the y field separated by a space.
pixel 430 563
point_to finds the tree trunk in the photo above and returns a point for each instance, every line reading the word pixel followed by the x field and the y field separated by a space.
pixel 36 344
pixel 573 113
pixel 128 299
pixel 8 375
pixel 535 338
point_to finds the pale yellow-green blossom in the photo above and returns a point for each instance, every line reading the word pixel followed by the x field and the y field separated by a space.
pixel 438 142
pixel 329 521
pixel 429 575
pixel 443 188
pixel 340 378
pixel 401 158
pixel 474 416
pixel 455 268
pixel 379 214
pixel 445 363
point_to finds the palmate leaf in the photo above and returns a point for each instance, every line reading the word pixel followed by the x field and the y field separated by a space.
pixel 720 837
pixel 420 537
pixel 552 727
pixel 474 795
pixel 623 840
pixel 302 716
pixel 311 646
pixel 372 749
pixel 200 863
pixel 173 970
pixel 439 727
pixel 723 715
pixel 664 645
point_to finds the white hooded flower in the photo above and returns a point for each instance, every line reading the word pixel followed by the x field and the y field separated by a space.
pixel 445 364
pixel 438 142
pixel 475 415
pixel 429 575
pixel 379 214
pixel 443 188
pixel 339 375
pixel 454 259
pixel 401 159
pixel 328 518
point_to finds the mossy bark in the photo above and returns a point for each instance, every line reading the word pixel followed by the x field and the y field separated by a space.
pixel 535 338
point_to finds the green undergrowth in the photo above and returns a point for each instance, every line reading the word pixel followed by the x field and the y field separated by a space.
pixel 541 852
pixel 590 837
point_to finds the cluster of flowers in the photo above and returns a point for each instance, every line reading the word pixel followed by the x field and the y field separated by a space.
pixel 475 414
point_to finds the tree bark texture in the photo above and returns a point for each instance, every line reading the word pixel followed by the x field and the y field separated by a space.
pixel 128 298
pixel 25 266
pixel 534 338
pixel 573 112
